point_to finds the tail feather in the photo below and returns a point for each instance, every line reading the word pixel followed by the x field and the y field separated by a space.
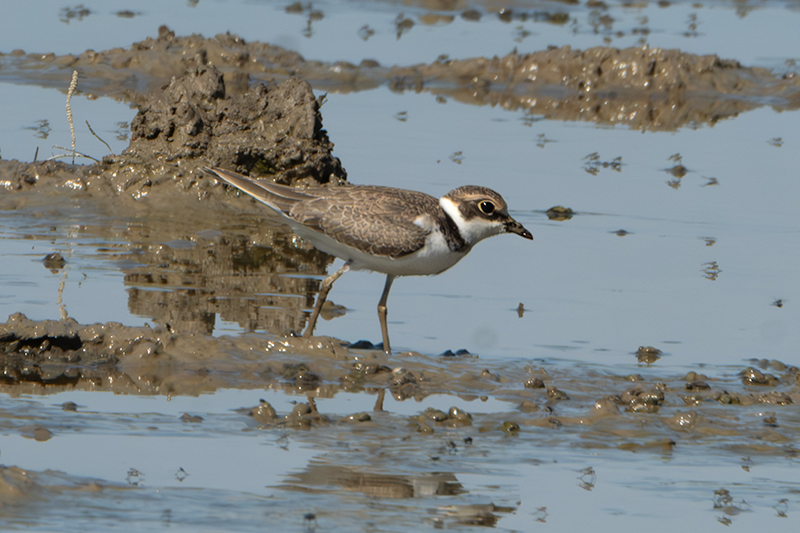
pixel 276 196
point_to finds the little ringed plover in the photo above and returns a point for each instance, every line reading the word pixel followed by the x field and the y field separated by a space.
pixel 394 231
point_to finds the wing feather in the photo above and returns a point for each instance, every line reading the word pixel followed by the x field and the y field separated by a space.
pixel 381 221
pixel 369 219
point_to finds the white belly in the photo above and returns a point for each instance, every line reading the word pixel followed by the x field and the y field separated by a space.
pixel 433 258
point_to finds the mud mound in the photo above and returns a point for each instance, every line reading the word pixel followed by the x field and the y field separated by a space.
pixel 270 131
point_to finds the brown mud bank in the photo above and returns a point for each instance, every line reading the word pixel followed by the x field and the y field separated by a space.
pixel 749 410
pixel 643 88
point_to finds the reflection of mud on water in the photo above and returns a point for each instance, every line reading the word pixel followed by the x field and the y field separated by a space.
pixel 381 486
pixel 189 284
pixel 320 478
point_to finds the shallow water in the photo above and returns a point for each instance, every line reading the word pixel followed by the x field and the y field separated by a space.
pixel 706 272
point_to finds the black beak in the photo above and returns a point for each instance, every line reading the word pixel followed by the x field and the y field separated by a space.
pixel 512 226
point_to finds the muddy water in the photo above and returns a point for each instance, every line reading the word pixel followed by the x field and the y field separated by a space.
pixel 636 365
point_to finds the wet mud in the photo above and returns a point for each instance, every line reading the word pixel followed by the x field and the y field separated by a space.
pixel 651 409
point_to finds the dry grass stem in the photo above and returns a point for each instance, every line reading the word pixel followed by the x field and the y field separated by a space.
pixel 72 86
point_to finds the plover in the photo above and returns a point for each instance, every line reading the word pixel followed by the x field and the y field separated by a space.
pixel 383 229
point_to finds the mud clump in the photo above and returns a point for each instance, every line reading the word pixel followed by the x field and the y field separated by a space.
pixel 263 413
pixel 643 88
pixel 751 376
pixel 274 131
pixel 49 355
pixel 642 399
pixel 51 352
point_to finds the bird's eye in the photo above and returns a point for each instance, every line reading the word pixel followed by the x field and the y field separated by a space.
pixel 486 207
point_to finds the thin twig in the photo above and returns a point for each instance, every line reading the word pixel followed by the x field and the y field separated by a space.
pixel 72 86
pixel 98 137
pixel 73 153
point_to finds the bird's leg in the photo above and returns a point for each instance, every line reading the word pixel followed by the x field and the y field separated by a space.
pixel 382 313
pixel 323 295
